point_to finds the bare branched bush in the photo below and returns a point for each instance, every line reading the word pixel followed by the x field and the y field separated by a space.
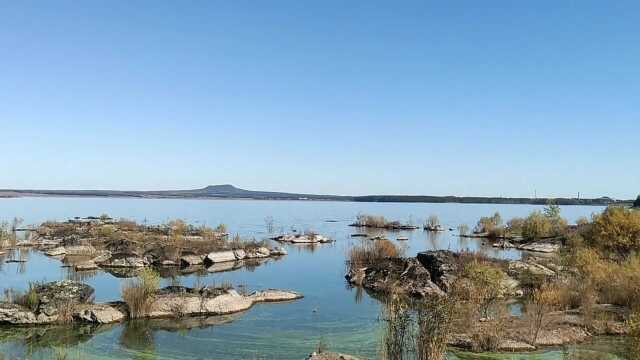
pixel 435 320
pixel 432 222
pixel 543 301
pixel 397 339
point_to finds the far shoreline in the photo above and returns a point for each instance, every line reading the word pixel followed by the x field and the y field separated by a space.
pixel 391 199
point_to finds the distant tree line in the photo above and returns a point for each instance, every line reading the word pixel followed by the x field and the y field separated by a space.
pixel 490 200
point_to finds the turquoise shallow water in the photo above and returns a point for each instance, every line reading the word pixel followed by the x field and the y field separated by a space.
pixel 345 319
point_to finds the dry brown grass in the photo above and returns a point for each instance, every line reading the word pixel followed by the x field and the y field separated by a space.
pixel 139 293
pixel 372 252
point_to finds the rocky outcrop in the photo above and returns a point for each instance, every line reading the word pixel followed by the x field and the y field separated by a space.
pixel 47 302
pixel 179 301
pixel 404 275
pixel 60 250
pixel 55 294
pixel 302 238
pixel 191 260
pixel 518 268
pixel 100 313
pixel 442 265
pixel 125 260
pixel 543 247
pixel 86 266
pixel 170 302
pixel 220 257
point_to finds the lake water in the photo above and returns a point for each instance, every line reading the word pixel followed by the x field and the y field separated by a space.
pixel 344 319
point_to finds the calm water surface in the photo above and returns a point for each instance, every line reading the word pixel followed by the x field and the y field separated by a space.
pixel 344 319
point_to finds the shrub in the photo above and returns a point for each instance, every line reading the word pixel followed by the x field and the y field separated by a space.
pixel 488 224
pixel 617 230
pixel 543 301
pixel 398 330
pixel 221 229
pixel 536 226
pixel 432 222
pixel 435 319
pixel 139 293
pixel 65 312
pixel 484 284
pixel 372 252
pixel 30 299
pixel 515 225
pixel 636 204
pixel 613 281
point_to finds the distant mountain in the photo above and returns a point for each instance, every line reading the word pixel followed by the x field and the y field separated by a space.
pixel 225 191
pixel 228 191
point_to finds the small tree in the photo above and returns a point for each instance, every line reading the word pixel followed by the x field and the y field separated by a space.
pixel 636 204
pixel 543 301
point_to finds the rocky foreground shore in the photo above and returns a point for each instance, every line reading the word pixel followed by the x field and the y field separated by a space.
pixel 70 301
pixel 433 273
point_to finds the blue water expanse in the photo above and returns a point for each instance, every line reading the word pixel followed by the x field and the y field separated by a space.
pixel 343 318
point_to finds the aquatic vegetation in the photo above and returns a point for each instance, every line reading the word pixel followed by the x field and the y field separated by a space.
pixel 139 293
pixel 379 222
pixel 432 223
pixel 372 252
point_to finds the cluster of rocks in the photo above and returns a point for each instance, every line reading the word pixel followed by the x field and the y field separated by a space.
pixel 434 272
pixel 88 258
pixel 72 301
pixel 310 238
pixel 538 246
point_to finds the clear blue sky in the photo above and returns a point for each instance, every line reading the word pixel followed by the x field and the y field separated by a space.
pixel 342 97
